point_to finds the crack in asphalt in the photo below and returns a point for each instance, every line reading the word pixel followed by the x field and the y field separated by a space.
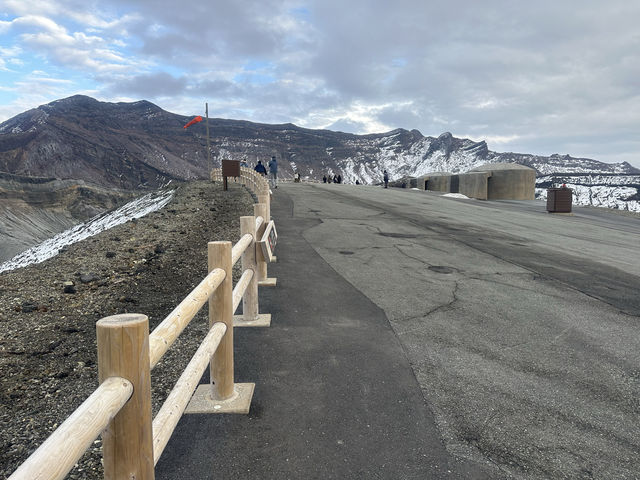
pixel 446 306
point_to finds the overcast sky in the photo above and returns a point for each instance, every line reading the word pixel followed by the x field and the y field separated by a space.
pixel 551 76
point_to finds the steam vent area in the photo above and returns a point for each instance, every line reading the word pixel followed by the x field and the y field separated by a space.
pixel 494 181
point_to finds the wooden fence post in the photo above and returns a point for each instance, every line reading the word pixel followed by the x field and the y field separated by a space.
pixel 250 311
pixel 260 210
pixel 123 351
pixel 221 310
pixel 222 395
pixel 250 180
pixel 250 298
pixel 267 203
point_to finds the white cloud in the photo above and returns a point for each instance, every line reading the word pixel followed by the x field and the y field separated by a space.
pixel 78 50
pixel 37 88
pixel 528 76
pixel 8 56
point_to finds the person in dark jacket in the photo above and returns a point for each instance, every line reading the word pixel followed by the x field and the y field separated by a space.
pixel 339 178
pixel 386 179
pixel 260 168
pixel 273 172
pixel 324 179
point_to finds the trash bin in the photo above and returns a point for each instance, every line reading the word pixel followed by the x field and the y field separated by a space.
pixel 559 200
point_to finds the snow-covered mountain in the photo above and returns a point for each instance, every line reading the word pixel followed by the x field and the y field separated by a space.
pixel 134 145
pixel 409 154
pixel 618 191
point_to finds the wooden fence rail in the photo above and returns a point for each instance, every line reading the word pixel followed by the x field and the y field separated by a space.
pixel 120 408
pixel 59 453
pixel 167 418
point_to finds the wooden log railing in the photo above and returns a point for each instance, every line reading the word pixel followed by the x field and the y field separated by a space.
pixel 59 453
pixel 120 408
pixel 254 181
pixel 259 185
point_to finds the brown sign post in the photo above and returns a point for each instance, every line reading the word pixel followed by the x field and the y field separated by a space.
pixel 230 168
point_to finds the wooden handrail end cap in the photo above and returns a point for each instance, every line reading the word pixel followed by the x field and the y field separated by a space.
pixel 122 319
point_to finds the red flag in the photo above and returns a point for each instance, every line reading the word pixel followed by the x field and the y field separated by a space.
pixel 195 120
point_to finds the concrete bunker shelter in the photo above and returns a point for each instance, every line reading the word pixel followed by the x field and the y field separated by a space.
pixel 499 181
pixel 493 181
pixel 435 182
pixel 404 182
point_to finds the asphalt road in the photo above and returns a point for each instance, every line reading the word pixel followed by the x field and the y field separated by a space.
pixel 416 336
pixel 522 328
pixel 335 395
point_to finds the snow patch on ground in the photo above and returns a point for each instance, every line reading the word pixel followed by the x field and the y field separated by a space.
pixel 50 248
pixel 455 195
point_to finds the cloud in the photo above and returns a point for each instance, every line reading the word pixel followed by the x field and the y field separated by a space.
pixel 526 76
pixel 197 32
pixel 9 56
pixel 37 88
pixel 150 85
pixel 80 50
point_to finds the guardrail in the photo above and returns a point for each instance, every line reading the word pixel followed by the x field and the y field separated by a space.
pixel 120 408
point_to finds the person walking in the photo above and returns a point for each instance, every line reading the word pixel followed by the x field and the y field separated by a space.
pixel 386 179
pixel 273 172
pixel 260 168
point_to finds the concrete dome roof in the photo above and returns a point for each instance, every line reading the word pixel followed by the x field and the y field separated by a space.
pixel 437 174
pixel 500 166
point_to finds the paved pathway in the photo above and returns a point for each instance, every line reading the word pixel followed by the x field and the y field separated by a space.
pixel 335 395
pixel 405 322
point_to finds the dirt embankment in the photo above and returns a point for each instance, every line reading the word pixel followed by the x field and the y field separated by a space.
pixel 47 337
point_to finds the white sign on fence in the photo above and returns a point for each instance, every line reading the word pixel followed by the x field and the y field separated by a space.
pixel 268 241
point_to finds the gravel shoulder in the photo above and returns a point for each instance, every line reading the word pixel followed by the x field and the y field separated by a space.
pixel 47 337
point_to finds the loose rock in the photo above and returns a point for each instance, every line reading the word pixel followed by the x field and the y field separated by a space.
pixel 55 343
pixel 28 307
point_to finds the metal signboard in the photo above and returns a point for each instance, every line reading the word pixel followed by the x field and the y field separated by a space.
pixel 230 168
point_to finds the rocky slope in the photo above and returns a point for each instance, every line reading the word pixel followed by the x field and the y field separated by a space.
pixel 47 336
pixel 33 209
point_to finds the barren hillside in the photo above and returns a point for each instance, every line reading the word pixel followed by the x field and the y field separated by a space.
pixel 47 336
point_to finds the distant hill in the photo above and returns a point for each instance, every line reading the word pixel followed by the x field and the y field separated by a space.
pixel 137 145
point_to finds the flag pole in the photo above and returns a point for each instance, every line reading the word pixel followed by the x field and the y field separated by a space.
pixel 206 112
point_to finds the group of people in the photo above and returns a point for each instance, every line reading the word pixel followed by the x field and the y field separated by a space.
pixel 273 171
pixel 338 179
pixel 334 179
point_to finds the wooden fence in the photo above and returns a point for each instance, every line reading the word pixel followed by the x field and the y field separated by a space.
pixel 120 408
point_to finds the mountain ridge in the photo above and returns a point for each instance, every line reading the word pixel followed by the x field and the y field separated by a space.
pixel 138 144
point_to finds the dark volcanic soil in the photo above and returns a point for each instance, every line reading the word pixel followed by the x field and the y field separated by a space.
pixel 47 337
